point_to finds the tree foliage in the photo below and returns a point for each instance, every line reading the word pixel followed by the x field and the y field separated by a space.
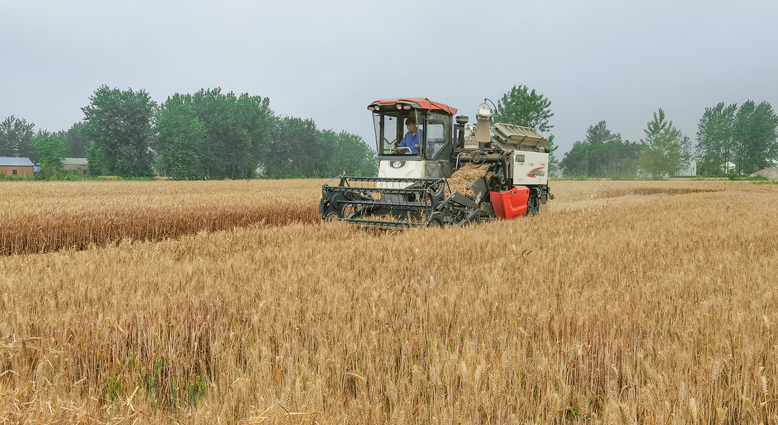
pixel 48 150
pixel 745 136
pixel 180 140
pixel 206 135
pixel 118 126
pixel 526 108
pixel 238 132
pixel 15 137
pixel 755 135
pixel 301 150
pixel 350 155
pixel 665 149
pixel 298 150
pixel 213 135
pixel 601 154
pixel 715 139
pixel 75 140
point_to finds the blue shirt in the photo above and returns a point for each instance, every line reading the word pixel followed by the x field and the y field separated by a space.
pixel 409 141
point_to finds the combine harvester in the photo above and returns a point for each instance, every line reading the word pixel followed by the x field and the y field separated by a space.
pixel 459 174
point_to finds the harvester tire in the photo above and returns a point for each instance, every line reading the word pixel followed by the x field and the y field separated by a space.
pixel 435 221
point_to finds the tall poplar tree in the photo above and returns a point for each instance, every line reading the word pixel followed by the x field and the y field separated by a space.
pixel 715 142
pixel 118 126
pixel 15 137
pixel 755 133
pixel 665 149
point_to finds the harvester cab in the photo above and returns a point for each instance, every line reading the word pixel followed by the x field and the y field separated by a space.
pixel 403 124
pixel 434 171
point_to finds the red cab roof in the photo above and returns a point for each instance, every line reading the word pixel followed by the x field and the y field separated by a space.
pixel 422 103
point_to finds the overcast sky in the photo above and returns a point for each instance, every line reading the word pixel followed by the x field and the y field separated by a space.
pixel 613 60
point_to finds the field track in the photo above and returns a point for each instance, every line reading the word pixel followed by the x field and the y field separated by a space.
pixel 622 302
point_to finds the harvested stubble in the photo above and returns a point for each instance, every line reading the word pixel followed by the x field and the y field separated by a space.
pixel 44 217
pixel 576 195
pixel 621 314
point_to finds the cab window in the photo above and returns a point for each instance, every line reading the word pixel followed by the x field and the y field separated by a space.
pixel 390 131
pixel 438 137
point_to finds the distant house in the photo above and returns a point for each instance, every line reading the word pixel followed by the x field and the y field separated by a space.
pixel 770 173
pixel 78 166
pixel 16 167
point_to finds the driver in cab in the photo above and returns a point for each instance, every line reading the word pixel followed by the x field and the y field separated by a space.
pixel 411 139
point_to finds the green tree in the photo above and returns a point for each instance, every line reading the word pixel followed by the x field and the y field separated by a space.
pixel 351 155
pixel 180 139
pixel 715 142
pixel 599 139
pixel 75 141
pixel 665 149
pixel 15 137
pixel 746 136
pixel 95 156
pixel 48 150
pixel 576 160
pixel 118 126
pixel 602 153
pixel 299 150
pixel 755 134
pixel 526 108
pixel 213 135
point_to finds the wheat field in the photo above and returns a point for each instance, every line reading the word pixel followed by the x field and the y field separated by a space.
pixel 42 217
pixel 621 303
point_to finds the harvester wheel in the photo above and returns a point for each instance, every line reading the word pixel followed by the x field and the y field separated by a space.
pixel 435 221
pixel 533 206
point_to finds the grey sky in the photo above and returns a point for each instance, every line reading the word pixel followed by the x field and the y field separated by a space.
pixel 612 60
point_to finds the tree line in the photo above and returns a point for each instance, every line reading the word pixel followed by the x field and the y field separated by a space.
pixel 729 140
pixel 744 136
pixel 206 135
pixel 212 135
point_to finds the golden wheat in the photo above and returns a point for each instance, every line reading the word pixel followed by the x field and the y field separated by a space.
pixel 651 309
pixel 42 217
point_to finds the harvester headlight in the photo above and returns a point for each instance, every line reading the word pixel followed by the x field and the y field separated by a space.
pixel 406 107
pixel 399 106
